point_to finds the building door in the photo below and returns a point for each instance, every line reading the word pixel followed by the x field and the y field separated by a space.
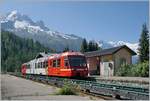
pixel 108 69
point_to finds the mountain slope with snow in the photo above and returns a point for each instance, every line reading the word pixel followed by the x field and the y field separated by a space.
pixel 133 46
pixel 109 44
pixel 25 27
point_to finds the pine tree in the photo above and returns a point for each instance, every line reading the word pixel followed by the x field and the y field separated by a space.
pixel 93 46
pixel 84 46
pixel 144 44
pixel 66 49
pixel 90 46
pixel 16 50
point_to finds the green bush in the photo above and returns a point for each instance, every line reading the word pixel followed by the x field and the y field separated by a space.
pixel 124 70
pixel 66 90
pixel 140 69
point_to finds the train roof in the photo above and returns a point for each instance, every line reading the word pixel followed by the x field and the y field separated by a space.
pixel 71 53
pixel 65 54
pixel 42 56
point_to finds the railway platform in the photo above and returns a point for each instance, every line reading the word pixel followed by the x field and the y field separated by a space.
pixel 16 88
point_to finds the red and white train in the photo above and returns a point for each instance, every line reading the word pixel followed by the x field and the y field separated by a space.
pixel 67 64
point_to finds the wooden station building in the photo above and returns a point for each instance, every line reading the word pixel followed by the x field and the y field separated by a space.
pixel 105 62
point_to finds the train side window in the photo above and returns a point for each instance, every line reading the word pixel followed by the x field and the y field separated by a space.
pixel 35 65
pixel 58 63
pixel 39 65
pixel 29 66
pixel 54 63
pixel 46 63
pixel 43 64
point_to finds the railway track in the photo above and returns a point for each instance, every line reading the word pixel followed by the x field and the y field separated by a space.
pixel 106 91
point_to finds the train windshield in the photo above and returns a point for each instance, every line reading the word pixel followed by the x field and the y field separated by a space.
pixel 77 61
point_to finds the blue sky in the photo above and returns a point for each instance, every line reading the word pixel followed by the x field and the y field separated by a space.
pixel 99 20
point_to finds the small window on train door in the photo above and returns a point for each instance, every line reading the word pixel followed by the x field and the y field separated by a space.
pixel 58 63
pixel 50 63
pixel 54 63
pixel 66 63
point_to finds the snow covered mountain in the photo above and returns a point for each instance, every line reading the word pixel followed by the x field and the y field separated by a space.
pixel 23 26
pixel 133 46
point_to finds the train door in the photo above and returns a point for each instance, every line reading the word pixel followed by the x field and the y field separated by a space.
pixel 46 66
pixel 55 68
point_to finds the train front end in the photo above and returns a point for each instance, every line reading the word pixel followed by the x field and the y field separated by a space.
pixel 76 64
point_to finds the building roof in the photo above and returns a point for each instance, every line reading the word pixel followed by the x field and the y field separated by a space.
pixel 108 51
